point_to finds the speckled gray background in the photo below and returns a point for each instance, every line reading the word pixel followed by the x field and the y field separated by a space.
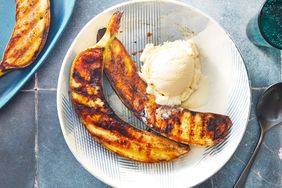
pixel 33 152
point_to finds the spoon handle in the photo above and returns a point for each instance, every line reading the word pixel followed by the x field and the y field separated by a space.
pixel 244 175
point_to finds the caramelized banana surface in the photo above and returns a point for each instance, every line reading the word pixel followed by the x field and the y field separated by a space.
pixel 87 95
pixel 29 35
pixel 176 123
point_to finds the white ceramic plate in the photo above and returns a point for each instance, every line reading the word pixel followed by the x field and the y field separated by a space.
pixel 229 93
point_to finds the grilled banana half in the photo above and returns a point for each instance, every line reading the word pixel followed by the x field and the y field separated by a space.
pixel 29 35
pixel 179 124
pixel 86 89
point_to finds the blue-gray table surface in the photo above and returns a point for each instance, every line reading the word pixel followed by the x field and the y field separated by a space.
pixel 33 152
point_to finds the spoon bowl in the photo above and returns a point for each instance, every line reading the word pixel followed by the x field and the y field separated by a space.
pixel 269 114
pixel 269 107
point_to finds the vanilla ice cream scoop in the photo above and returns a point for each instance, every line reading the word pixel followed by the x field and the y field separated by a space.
pixel 172 71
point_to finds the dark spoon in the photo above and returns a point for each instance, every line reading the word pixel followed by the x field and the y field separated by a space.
pixel 269 114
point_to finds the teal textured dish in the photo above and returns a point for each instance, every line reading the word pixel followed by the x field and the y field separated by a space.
pixel 11 83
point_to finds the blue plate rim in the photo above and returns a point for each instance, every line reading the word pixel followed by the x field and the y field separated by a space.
pixel 45 54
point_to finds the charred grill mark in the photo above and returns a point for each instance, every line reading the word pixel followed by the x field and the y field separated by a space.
pixel 17 53
pixel 217 126
pixel 11 45
pixel 78 78
pixel 117 143
pixel 203 130
pixel 168 128
pixel 180 132
pixel 192 122
pixel 18 3
pixel 119 127
pixel 94 77
pixel 32 22
pixel 173 121
pixel 87 74
pixel 124 143
pixel 26 9
pixel 81 109
pixel 81 91
pixel 44 35
pixel 94 111
pixel 91 56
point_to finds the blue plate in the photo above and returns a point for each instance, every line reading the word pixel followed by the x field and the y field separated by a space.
pixel 11 83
